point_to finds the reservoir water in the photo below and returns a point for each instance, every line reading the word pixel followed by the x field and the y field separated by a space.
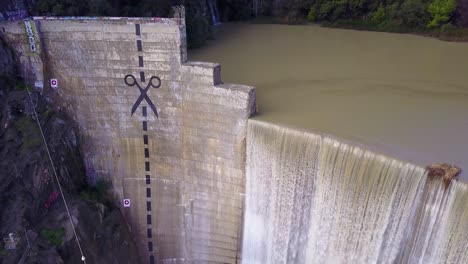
pixel 401 95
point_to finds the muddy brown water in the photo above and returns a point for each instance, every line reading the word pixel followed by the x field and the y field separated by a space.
pixel 403 95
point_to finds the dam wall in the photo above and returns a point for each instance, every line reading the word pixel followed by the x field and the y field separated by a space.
pixel 167 133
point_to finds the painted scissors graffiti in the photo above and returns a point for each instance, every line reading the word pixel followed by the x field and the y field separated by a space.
pixel 130 80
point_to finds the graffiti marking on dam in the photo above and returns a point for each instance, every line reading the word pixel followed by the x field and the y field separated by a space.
pixel 130 80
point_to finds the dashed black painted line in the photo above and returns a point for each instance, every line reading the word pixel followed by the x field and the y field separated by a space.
pixel 140 61
pixel 148 219
pixel 139 46
pixel 137 28
pixel 150 246
pixel 146 149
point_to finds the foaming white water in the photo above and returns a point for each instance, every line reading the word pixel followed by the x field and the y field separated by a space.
pixel 313 199
pixel 440 234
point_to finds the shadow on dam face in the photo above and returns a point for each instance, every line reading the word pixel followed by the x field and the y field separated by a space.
pixel 167 133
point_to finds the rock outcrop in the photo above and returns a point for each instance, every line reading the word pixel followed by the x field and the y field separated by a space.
pixel 444 170
pixel 30 197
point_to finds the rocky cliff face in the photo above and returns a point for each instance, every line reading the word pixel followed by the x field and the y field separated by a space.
pixel 27 188
pixel 29 194
pixel 7 63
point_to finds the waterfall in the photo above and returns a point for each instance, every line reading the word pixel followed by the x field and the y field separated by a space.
pixel 313 199
pixel 214 12
pixel 440 233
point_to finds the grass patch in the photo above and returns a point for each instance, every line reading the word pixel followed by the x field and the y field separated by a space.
pixel 54 236
pixel 96 193
pixel 48 113
pixel 29 131
pixel 3 252
pixel 20 85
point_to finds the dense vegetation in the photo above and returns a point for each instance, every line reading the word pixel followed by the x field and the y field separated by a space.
pixel 435 17
pixel 388 15
pixel 427 16
pixel 408 13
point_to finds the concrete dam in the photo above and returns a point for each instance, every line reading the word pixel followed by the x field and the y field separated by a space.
pixel 167 133
pixel 200 183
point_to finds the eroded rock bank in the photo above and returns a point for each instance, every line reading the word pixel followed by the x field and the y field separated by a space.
pixel 29 194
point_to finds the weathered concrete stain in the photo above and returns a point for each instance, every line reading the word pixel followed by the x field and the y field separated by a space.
pixel 195 146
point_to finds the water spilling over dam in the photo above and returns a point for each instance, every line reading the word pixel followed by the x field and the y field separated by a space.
pixel 406 96
pixel 313 199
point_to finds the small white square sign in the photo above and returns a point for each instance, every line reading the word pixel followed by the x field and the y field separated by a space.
pixel 126 202
pixel 54 83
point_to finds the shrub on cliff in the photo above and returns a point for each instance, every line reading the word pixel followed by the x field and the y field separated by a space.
pixel 98 193
pixel 54 236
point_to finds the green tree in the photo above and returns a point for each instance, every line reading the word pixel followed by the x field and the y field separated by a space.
pixel 441 11
pixel 313 12
pixel 325 10
pixel 356 7
pixel 414 13
pixel 379 15
pixel 101 8
pixel 198 24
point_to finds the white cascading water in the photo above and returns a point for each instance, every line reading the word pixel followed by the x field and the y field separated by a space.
pixel 312 199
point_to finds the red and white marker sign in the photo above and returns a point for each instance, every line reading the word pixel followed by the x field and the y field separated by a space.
pixel 54 83
pixel 126 202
